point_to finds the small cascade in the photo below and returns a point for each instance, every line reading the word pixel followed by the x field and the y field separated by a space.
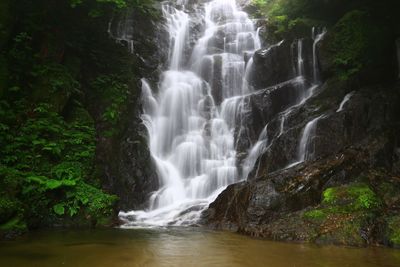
pixel 317 38
pixel 121 30
pixel 300 60
pixel 344 101
pixel 254 153
pixel 300 78
pixel 307 92
pixel 305 151
pixel 178 29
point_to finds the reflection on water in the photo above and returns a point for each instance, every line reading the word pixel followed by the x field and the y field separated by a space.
pixel 178 247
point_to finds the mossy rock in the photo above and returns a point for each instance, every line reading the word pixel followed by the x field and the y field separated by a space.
pixel 345 215
pixel 353 197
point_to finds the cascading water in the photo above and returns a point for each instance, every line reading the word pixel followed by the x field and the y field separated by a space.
pixel 317 38
pixel 305 151
pixel 344 101
pixel 305 142
pixel 122 32
pixel 191 136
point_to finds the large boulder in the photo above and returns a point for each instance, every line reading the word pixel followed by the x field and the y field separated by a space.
pixel 272 65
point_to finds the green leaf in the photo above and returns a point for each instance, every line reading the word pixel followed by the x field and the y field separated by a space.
pixel 59 209
pixel 72 211
pixel 53 184
pixel 69 182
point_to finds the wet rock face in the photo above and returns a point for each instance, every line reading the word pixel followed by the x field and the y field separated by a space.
pixel 124 158
pixel 130 170
pixel 272 66
pixel 289 205
pixel 253 204
pixel 279 63
pixel 263 107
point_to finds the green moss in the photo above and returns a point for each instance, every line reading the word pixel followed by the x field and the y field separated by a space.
pixel 343 212
pixel 352 197
pixel 317 214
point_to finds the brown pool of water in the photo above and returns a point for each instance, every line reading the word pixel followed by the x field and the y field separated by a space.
pixel 178 247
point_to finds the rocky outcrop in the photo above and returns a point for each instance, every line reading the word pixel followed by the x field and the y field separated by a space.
pixel 272 65
pixel 263 106
pixel 292 204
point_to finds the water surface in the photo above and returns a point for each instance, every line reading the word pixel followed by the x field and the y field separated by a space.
pixel 178 247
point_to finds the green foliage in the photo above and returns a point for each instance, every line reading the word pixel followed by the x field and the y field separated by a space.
pixel 394 230
pixel 286 16
pixel 51 162
pixel 97 6
pixel 15 224
pixel 59 209
pixel 115 91
pixel 57 77
pixel 350 44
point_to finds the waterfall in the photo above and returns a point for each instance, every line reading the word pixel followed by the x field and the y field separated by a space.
pixel 192 119
pixel 344 101
pixel 305 150
pixel 308 133
pixel 300 60
pixel 317 38
pixel 178 29
pixel 255 152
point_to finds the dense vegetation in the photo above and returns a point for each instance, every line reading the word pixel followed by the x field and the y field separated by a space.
pixel 55 60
